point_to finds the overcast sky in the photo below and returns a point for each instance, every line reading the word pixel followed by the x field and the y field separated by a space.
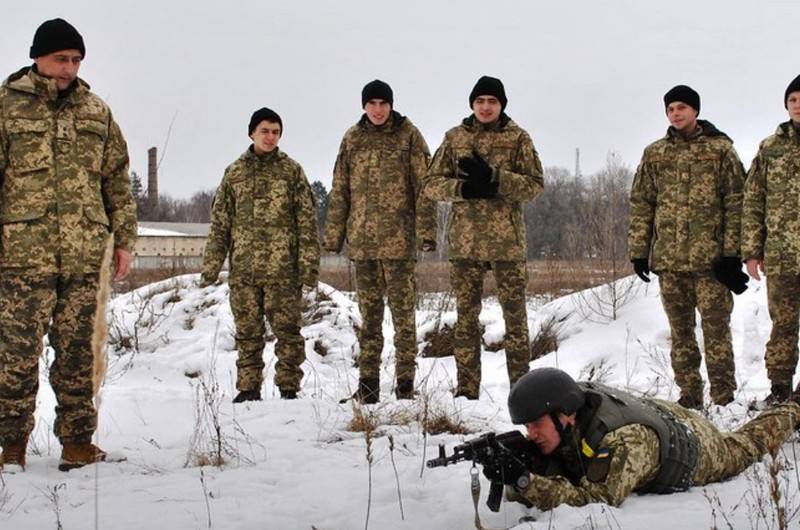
pixel 587 74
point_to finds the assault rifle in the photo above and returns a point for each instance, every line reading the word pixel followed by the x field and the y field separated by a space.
pixel 507 458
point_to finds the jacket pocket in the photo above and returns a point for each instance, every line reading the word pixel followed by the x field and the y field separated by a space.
pixel 28 146
pixel 25 238
pixel 91 140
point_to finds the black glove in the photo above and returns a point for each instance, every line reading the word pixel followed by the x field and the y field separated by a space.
pixel 728 271
pixel 641 268
pixel 475 167
pixel 510 472
pixel 472 189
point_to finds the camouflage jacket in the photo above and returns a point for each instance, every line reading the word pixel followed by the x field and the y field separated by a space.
pixel 375 200
pixel 487 229
pixel 264 217
pixel 64 183
pixel 627 459
pixel 686 201
pixel 771 208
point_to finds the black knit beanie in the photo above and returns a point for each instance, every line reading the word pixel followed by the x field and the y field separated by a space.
pixel 263 114
pixel 794 86
pixel 56 35
pixel 684 94
pixel 377 90
pixel 489 86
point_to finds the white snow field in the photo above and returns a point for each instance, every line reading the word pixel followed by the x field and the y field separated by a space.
pixel 286 465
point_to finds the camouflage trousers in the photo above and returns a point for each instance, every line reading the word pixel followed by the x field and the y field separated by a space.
pixel 395 279
pixel 280 302
pixel 32 305
pixel 726 454
pixel 681 293
pixel 783 296
pixel 466 279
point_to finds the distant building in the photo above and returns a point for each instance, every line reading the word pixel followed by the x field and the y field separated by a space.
pixel 170 245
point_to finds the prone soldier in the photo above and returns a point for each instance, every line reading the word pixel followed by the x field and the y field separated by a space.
pixel 600 444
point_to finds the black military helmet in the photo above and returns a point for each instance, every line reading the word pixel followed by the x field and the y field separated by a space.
pixel 543 391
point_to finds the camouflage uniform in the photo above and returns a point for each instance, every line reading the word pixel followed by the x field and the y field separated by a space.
pixel 771 232
pixel 375 204
pixel 685 216
pixel 65 187
pixel 488 233
pixel 263 219
pixel 628 458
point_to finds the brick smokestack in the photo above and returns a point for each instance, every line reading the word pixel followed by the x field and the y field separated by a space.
pixel 152 176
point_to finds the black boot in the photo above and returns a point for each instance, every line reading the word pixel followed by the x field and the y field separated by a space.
pixel 368 393
pixel 405 389
pixel 780 393
pixel 247 395
pixel 690 401
pixel 288 394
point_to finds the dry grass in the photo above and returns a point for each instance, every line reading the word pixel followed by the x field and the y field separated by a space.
pixel 431 418
pixel 545 277
pixel 548 337
pixel 141 277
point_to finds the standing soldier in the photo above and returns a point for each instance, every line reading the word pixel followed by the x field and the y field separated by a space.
pixel 263 219
pixel 771 239
pixel 375 204
pixel 64 186
pixel 489 168
pixel 685 220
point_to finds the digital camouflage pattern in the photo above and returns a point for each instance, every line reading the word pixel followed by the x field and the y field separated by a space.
pixel 634 452
pixel 686 201
pixel 466 279
pixel 395 278
pixel 375 201
pixel 65 182
pixel 681 293
pixel 264 217
pixel 783 300
pixel 487 229
pixel 28 301
pixel 771 210
pixel 771 232
pixel 64 187
pixel 280 302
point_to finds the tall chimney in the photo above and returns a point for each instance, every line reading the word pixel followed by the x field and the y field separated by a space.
pixel 152 176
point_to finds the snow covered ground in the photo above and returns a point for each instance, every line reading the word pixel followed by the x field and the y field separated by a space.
pixel 298 465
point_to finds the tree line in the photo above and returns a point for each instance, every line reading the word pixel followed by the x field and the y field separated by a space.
pixel 576 217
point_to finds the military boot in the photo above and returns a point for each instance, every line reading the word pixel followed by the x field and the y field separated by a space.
pixel 690 401
pixel 405 389
pixel 288 394
pixel 780 392
pixel 13 457
pixel 368 393
pixel 79 455
pixel 469 394
pixel 247 395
